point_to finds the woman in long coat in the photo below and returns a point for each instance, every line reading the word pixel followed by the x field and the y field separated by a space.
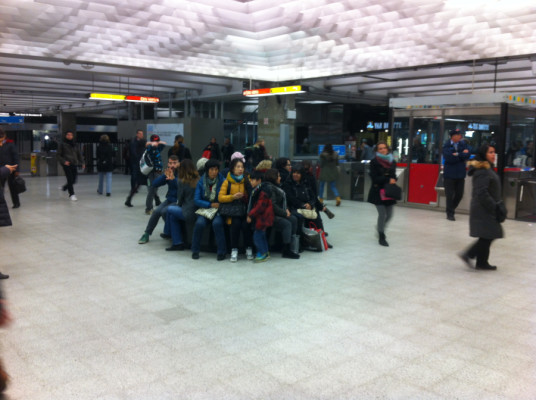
pixel 486 210
pixel 382 172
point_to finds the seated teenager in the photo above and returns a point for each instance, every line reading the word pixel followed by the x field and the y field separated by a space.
pixel 185 208
pixel 206 198
pixel 169 178
pixel 236 188
pixel 284 221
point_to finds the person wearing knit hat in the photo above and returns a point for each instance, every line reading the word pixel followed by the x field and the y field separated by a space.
pixel 238 155
pixel 200 165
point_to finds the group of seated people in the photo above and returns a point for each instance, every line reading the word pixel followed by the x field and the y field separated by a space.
pixel 237 204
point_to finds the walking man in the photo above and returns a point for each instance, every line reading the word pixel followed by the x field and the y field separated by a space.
pixel 455 154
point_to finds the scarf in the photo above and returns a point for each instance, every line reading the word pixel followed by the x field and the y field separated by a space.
pixel 237 179
pixel 210 188
pixel 385 160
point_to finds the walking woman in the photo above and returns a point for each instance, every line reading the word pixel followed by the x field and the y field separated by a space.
pixel 329 172
pixel 105 164
pixel 382 172
pixel 70 158
pixel 487 210
pixel 236 187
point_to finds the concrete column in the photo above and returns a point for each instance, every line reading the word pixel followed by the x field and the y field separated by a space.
pixel 66 122
pixel 272 114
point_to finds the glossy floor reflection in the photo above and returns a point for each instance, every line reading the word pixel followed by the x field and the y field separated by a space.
pixel 98 316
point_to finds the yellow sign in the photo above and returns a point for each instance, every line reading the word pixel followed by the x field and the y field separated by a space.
pixel 105 96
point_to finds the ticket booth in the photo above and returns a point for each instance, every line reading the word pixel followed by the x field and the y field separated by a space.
pixel 420 126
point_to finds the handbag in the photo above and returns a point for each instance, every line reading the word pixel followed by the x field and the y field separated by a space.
pixel 236 208
pixel 208 213
pixel 393 191
pixel 309 214
pixel 19 184
pixel 146 165
pixel 313 239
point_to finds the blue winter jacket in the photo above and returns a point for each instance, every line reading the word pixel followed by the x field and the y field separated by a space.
pixel 171 195
pixel 454 167
pixel 199 197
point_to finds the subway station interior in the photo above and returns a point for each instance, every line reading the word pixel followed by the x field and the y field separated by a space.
pixel 95 315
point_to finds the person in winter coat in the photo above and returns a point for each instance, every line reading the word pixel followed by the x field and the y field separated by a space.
pixel 9 156
pixel 455 154
pixel 179 149
pixel 284 221
pixel 329 172
pixel 169 178
pixel 310 180
pixel 137 179
pixel 236 187
pixel 227 151
pixel 70 158
pixel 5 218
pixel 382 172
pixel 487 210
pixel 206 197
pixel 284 166
pixel 213 148
pixel 185 208
pixel 259 152
pixel 260 214
pixel 105 164
pixel 154 150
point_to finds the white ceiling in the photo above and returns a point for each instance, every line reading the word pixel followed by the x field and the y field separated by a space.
pixel 53 52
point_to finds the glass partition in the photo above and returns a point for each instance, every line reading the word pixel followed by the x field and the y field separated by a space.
pixel 519 138
pixel 400 144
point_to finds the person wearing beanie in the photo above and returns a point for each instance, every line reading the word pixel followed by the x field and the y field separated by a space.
pixel 200 165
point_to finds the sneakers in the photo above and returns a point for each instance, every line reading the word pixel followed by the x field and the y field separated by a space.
pixel 234 255
pixel 144 238
pixel 249 253
pixel 73 198
pixel 221 257
pixel 262 258
pixel 195 256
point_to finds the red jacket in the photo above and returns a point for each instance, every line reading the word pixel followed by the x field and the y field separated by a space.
pixel 261 208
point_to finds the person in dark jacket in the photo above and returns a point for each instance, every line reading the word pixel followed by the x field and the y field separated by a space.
pixel 9 156
pixel 206 197
pixel 5 218
pixel 382 172
pixel 137 179
pixel 329 171
pixel 179 149
pixel 455 154
pixel 185 208
pixel 259 152
pixel 284 221
pixel 70 158
pixel 310 180
pixel 169 178
pixel 154 151
pixel 214 149
pixel 227 151
pixel 486 208
pixel 284 166
pixel 105 164
pixel 260 214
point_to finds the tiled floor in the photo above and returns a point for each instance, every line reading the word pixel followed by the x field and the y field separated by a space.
pixel 98 316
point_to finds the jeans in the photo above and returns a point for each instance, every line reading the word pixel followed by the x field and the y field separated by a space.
pixel 331 185
pixel 71 172
pixel 108 182
pixel 453 193
pixel 259 238
pixel 152 192
pixel 219 233
pixel 287 227
pixel 173 217
pixel 385 213
pixel 160 211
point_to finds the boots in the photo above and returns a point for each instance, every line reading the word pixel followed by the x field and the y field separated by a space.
pixel 128 203
pixel 338 201
pixel 295 244
pixel 382 240
pixel 329 213
pixel 287 253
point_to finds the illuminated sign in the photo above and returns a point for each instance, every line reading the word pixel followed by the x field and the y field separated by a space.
pixel 12 120
pixel 274 91
pixel 122 97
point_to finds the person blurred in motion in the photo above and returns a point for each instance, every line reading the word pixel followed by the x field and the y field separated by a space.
pixel 382 172
pixel 70 158
pixel 329 172
pixel 9 156
pixel 105 164
pixel 137 179
pixel 487 210
pixel 455 154
pixel 5 218
pixel 169 178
